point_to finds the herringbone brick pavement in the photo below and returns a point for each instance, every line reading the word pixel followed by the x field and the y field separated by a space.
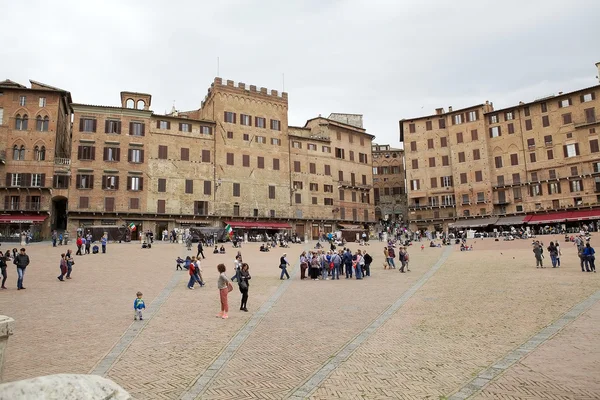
pixel 66 327
pixel 310 323
pixel 564 367
pixel 478 307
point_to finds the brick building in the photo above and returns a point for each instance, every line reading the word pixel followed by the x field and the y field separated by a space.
pixel 479 167
pixel 34 138
pixel 234 160
pixel 389 188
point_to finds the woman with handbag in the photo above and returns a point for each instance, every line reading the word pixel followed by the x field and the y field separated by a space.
pixel 303 265
pixel 284 264
pixel 225 286
pixel 244 285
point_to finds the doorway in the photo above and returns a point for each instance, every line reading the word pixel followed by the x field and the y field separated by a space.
pixel 59 213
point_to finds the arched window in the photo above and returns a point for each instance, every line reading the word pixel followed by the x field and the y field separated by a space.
pixel 42 155
pixel 141 104
pixel 46 124
pixel 24 123
pixel 39 123
pixel 36 153
pixel 15 152
pixel 18 122
pixel 129 103
pixel 22 152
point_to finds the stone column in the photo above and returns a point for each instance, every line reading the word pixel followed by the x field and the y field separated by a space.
pixel 6 329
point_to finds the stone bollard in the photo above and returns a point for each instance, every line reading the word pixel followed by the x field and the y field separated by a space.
pixel 64 387
pixel 6 329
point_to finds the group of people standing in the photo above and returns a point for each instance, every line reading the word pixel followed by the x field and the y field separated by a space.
pixel 389 253
pixel 326 264
pixel 20 259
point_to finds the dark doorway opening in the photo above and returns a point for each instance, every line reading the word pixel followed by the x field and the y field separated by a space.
pixel 59 213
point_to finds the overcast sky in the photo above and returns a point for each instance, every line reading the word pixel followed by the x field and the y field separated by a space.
pixel 387 60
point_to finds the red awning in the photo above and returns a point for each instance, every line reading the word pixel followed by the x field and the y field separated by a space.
pixel 22 219
pixel 258 225
pixel 563 216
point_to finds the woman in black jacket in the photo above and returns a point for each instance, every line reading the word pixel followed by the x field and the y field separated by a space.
pixel 3 266
pixel 244 285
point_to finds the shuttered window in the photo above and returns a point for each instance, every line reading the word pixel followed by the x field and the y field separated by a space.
pixel 189 186
pixel 185 154
pixel 162 185
pixel 84 202
pixel 276 164
pixel 271 192
pixel 207 187
pixel 230 159
pixel 236 190
pixel 109 204
pixel 245 160
pixel 163 152
pixel 161 206
pixel 205 156
pixel 261 162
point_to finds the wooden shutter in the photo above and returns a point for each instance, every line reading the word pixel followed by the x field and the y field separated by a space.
pixel 141 181
pixel 118 154
pixel 157 124
pixel 225 116
pixel 143 129
pixel 79 152
pixel 566 154
pixel 43 180
pixel 129 183
pixel 91 180
pixel 119 127
pixel 207 187
pixel 161 206
pixel 106 126
pixel 94 122
pixel 168 124
pixel 6 202
pixel 81 124
pixel 581 98
pixel 93 152
pixel 105 156
pixel 180 127
pixel 141 156
pixel 103 181
pixel 235 118
pixel 116 182
pixel 189 186
pixel 129 154
pixel 576 149
pixel 205 156
pixel 196 208
pixel 131 128
pixel 78 181
pixel 185 154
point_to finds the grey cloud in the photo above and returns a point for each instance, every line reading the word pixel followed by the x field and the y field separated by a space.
pixel 385 59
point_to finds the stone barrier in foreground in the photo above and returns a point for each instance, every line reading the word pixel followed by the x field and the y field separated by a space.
pixel 55 387
pixel 64 387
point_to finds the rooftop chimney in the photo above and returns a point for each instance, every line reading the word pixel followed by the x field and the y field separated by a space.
pixel 439 111
pixel 449 108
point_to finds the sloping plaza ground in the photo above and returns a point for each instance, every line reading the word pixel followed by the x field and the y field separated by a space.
pixel 481 324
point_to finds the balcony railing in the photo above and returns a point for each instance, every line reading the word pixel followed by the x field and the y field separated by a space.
pixel 588 121
pixel 62 161
pixel 354 185
pixel 430 206
pixel 25 206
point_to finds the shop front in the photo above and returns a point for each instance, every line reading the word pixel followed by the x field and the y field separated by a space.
pixel 12 226
pixel 258 231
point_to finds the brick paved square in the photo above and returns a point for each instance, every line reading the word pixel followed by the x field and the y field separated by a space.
pixel 466 316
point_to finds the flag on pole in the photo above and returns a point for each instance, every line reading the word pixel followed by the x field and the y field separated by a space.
pixel 229 230
pixel 132 226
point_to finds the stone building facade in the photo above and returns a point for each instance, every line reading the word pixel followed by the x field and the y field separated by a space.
pixel 35 155
pixel 526 159
pixel 389 187
pixel 234 160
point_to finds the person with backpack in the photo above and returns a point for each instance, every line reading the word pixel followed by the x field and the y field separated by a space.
pixel 347 257
pixel 336 260
pixel 589 258
pixel 368 261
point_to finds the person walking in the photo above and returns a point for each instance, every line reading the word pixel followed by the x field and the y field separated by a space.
pixel 553 254
pixel 244 286
pixel 103 241
pixel 54 237
pixel 237 264
pixel 558 254
pixel 21 260
pixel 70 262
pixel 391 257
pixel 386 255
pixel 79 243
pixel 88 243
pixel 303 265
pixel 198 271
pixel 360 263
pixel 3 267
pixel 225 287
pixel 537 251
pixel 63 268
pixel 192 272
pixel 580 250
pixel 368 261
pixel 589 258
pixel 200 250
pixel 284 264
